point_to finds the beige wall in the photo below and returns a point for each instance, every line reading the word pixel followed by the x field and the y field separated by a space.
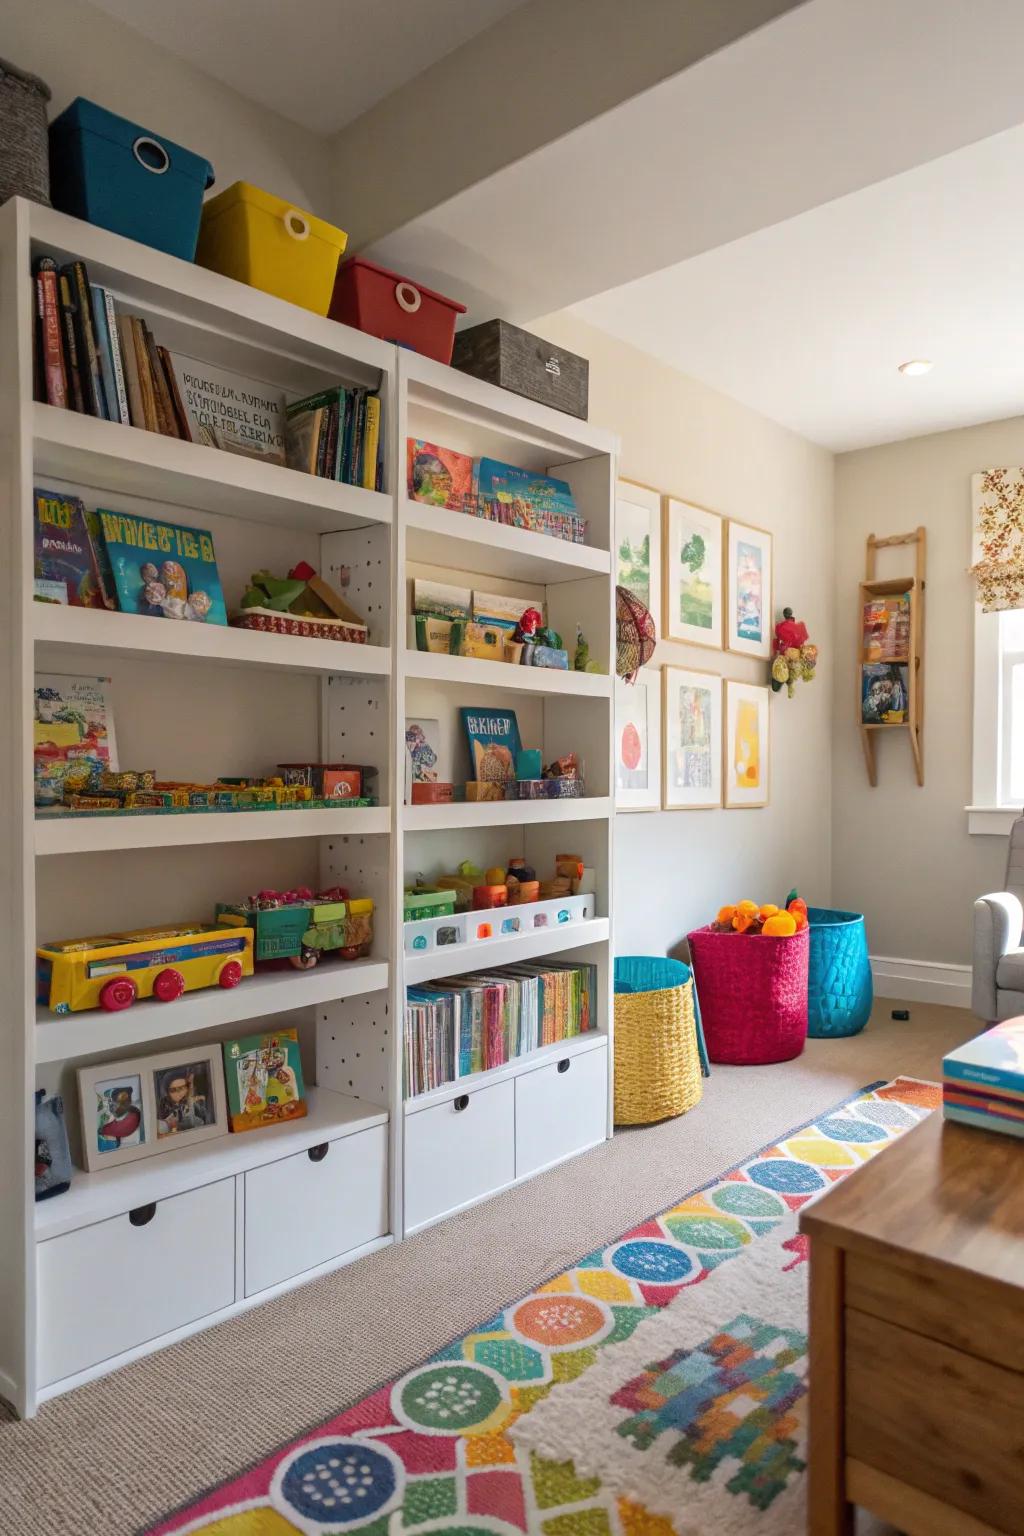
pixel 901 854
pixel 674 869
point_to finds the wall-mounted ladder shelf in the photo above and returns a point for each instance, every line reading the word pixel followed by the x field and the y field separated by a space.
pixel 890 652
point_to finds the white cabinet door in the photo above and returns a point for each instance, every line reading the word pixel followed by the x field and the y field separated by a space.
pixel 303 1210
pixel 458 1151
pixel 560 1109
pixel 106 1288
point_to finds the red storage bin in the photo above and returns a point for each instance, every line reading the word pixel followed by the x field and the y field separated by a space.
pixel 753 994
pixel 387 305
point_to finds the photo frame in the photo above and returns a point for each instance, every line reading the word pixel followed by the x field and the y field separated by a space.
pixel 746 770
pixel 638 742
pixel 692 573
pixel 748 582
pixel 146 1105
pixel 638 545
pixel 692 714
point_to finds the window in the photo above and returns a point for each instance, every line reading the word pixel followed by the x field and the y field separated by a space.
pixel 998 783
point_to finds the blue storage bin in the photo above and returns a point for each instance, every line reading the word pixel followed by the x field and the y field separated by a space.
pixel 839 988
pixel 111 172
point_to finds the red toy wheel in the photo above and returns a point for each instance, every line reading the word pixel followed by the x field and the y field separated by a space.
pixel 118 993
pixel 168 985
pixel 230 974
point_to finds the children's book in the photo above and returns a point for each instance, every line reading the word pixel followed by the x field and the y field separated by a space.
pixel 225 410
pixel 492 736
pixel 443 602
pixel 422 754
pixel 438 475
pixel 983 1081
pixel 885 693
pixel 64 568
pixel 496 481
pixel 162 569
pixel 73 727
pixel 264 1079
pixel 493 608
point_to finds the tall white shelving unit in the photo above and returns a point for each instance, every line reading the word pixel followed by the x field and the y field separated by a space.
pixel 264 1211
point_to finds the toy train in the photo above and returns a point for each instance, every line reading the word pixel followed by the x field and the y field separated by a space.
pixel 299 926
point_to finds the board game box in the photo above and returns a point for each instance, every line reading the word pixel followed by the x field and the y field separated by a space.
pixel 264 1079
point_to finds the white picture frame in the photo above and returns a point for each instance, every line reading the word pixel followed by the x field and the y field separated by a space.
pixel 746 768
pixel 692 573
pixel 638 707
pixel 143 1081
pixel 749 577
pixel 638 517
pixel 692 732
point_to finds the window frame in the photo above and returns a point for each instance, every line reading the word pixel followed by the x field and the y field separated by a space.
pixel 988 815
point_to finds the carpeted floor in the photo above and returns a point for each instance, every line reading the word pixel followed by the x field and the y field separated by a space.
pixel 115 1455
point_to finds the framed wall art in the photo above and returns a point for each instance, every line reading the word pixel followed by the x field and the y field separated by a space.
pixel 748 580
pixel 747 769
pixel 692 573
pixel 692 712
pixel 638 545
pixel 638 742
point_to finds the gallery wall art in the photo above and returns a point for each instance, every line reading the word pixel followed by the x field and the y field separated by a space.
pixel 692 710
pixel 747 745
pixel 638 742
pixel 748 580
pixel 692 573
pixel 638 545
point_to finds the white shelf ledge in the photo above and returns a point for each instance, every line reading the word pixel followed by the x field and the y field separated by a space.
pixel 576 1046
pixel 110 1192
pixel 61 1037
pixel 503 813
pixel 458 542
pixel 462 958
pixel 107 454
pixel 477 673
pixel 147 639
pixel 183 829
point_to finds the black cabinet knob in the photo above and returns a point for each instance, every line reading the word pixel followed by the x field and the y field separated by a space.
pixel 462 1102
pixel 564 1064
pixel 142 1214
pixel 318 1153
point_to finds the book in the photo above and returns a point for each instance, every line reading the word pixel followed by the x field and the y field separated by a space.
pixel 69 337
pixel 164 403
pixel 108 587
pixel 129 363
pixel 177 404
pixel 114 337
pixel 104 354
pixel 63 555
pixel 53 379
pixel 162 570
pixel 439 476
pixel 85 335
pixel 422 754
pixel 492 736
pixel 493 608
pixel 441 601
pixel 263 1076
pixel 371 441
pixel 147 388
pixel 226 410
pixel 885 693
pixel 994 1059
pixel 73 728
pixel 497 481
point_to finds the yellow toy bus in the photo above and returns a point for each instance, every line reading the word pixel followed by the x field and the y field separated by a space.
pixel 114 969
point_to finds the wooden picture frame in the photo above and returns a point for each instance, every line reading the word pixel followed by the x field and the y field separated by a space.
pixel 691 542
pixel 749 578
pixel 747 746
pixel 638 516
pixel 638 704
pixel 140 1105
pixel 692 740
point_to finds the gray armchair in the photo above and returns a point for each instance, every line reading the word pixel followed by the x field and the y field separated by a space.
pixel 997 980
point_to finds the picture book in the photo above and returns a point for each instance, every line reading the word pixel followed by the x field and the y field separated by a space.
pixel 495 481
pixel 422 754
pixel 225 410
pixel 493 608
pixel 441 601
pixel 440 476
pixel 264 1079
pixel 72 727
pixel 162 569
pixel 983 1081
pixel 64 567
pixel 492 736
pixel 885 693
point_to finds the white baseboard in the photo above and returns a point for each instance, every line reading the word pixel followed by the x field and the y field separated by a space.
pixel 922 981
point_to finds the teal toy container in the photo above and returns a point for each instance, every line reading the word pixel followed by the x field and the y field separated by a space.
pixel 840 991
pixel 111 172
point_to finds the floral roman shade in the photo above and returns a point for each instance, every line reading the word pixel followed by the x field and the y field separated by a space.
pixel 998 506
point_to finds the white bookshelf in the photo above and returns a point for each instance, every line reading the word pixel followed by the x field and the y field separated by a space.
pixel 193 701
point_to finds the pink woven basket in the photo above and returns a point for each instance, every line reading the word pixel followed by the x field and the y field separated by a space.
pixel 753 994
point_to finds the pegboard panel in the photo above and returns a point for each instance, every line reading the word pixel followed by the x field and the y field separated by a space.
pixel 354 726
pixel 581 726
pixel 355 1047
pixel 363 865
pixel 357 563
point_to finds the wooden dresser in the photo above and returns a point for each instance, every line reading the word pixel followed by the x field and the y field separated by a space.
pixel 917 1338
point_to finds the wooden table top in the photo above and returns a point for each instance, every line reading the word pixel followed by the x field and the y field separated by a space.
pixel 943 1194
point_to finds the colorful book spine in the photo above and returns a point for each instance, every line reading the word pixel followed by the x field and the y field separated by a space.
pixel 88 353
pixel 76 395
pixel 146 385
pixel 117 361
pixel 98 308
pixel 48 322
pixel 371 443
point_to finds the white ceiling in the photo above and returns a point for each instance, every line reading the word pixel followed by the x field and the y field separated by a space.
pixel 807 321
pixel 320 63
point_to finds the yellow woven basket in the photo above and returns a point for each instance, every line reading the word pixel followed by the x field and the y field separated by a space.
pixel 657 1061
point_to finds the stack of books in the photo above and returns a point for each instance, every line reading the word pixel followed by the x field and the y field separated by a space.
pixel 470 1024
pixel 491 489
pixel 983 1081
pixel 336 434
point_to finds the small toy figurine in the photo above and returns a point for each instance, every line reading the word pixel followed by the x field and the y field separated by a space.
pixel 526 631
pixel 795 657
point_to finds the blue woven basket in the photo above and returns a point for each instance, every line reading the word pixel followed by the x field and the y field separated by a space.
pixel 839 989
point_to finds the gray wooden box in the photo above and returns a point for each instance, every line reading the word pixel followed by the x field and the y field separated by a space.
pixel 503 354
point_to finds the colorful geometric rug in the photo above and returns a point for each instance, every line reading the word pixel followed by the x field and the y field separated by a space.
pixel 533 1422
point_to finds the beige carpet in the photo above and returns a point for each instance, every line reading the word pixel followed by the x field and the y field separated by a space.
pixel 118 1453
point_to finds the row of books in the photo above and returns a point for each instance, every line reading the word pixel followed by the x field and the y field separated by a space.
pixel 470 1024
pixel 491 489
pixel 336 434
pixel 983 1081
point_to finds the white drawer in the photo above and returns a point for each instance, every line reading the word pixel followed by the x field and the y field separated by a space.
pixel 560 1109
pixel 108 1287
pixel 458 1151
pixel 314 1206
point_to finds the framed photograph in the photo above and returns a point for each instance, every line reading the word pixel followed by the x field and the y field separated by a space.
pixel 692 574
pixel 189 1100
pixel 117 1126
pixel 638 543
pixel 693 740
pixel 747 745
pixel 638 742
pixel 150 1104
pixel 748 579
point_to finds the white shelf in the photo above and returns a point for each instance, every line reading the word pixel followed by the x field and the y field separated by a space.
pixel 477 673
pixel 60 1037
pixel 484 953
pixel 111 1191
pixel 504 813
pixel 147 639
pixel 458 542
pixel 593 1040
pixel 183 829
pixel 107 454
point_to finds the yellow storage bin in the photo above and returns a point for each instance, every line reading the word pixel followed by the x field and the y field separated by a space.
pixel 657 1041
pixel 268 243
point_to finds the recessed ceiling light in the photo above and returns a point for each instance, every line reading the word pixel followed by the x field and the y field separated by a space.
pixel 915 366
